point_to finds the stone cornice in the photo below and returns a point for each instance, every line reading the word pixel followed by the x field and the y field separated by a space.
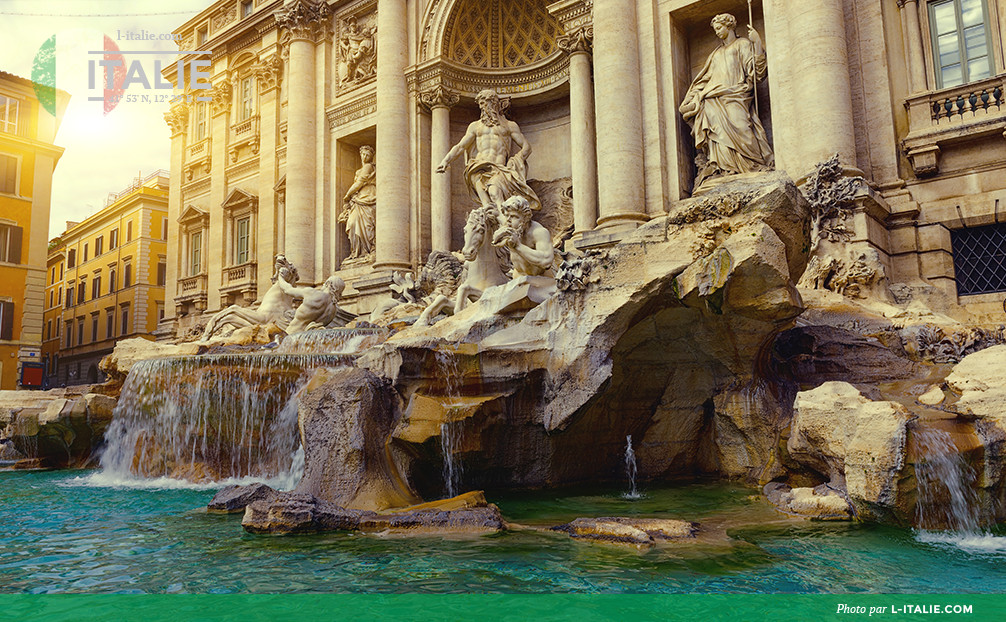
pixel 573 14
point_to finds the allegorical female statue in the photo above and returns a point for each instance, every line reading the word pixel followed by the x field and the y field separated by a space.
pixel 359 210
pixel 719 105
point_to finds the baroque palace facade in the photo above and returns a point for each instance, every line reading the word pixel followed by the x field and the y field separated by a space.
pixel 908 93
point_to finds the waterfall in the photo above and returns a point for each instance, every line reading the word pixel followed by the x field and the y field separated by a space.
pixel 333 341
pixel 210 418
pixel 945 483
pixel 449 442
pixel 630 469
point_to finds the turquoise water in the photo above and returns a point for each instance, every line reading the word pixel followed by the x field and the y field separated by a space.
pixel 62 532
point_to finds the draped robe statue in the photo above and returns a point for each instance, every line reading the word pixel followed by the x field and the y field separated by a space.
pixel 719 105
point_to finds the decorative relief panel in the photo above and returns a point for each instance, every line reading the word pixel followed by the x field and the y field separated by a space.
pixel 500 34
pixel 356 36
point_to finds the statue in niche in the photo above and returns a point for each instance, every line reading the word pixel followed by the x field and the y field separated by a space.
pixel 276 306
pixel 529 243
pixel 356 50
pixel 491 173
pixel 720 106
pixel 360 207
pixel 319 305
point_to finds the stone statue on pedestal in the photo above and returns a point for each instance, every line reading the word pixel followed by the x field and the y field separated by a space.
pixel 359 210
pixel 491 172
pixel 720 106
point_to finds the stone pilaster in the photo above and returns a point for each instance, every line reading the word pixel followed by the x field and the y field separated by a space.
pixel 913 35
pixel 392 161
pixel 440 101
pixel 618 106
pixel 305 21
pixel 579 44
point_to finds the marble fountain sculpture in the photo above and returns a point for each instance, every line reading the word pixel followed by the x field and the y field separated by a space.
pixel 703 335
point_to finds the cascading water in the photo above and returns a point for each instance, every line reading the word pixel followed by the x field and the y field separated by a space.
pixel 948 508
pixel 333 341
pixel 210 418
pixel 449 374
pixel 451 469
pixel 630 469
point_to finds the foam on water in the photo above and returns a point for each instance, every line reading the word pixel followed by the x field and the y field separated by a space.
pixel 974 543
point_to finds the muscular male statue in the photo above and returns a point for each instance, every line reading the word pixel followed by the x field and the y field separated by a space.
pixel 275 305
pixel 491 173
pixel 319 305
pixel 530 244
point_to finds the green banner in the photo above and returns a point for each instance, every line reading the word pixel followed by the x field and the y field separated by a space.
pixel 485 608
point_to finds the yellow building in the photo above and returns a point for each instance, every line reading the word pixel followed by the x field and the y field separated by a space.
pixel 105 280
pixel 27 160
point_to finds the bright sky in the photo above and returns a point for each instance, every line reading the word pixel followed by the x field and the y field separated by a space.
pixel 103 153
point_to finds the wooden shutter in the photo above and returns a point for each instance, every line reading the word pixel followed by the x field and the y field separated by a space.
pixel 14 253
pixel 6 320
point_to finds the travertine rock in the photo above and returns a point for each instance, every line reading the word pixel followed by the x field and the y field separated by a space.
pixel 818 503
pixel 856 443
pixel 236 498
pixel 57 428
pixel 128 352
pixel 638 531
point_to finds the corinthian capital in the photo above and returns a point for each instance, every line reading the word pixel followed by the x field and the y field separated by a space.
pixel 267 71
pixel 438 97
pixel 176 118
pixel 578 40
pixel 305 19
pixel 220 97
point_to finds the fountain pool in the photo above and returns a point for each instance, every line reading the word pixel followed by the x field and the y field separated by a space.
pixel 70 531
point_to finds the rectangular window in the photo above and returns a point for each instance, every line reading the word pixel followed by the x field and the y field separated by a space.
pixel 246 99
pixel 60 272
pixel 129 231
pixel 241 237
pixel 99 245
pixel 979 259
pixel 960 38
pixel 162 273
pixel 59 296
pixel 246 8
pixel 164 229
pixel 113 239
pixel 6 321
pixel 80 331
pixel 201 35
pixel 127 275
pixel 53 280
pixel 109 324
pixel 69 333
pixel 8 114
pixel 125 321
pixel 8 174
pixel 81 292
pixel 94 327
pixel 57 327
pixel 10 243
pixel 52 297
pixel 160 312
pixel 195 253
pixel 48 330
pixel 69 296
pixel 71 259
pixel 85 253
pixel 200 121
pixel 96 286
pixel 111 281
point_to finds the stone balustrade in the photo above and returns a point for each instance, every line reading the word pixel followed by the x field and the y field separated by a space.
pixel 192 285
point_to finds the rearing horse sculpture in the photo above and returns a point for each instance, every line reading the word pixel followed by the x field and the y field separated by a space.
pixel 485 265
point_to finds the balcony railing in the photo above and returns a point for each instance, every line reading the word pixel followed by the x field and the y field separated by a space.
pixel 939 118
pixel 192 285
pixel 244 130
pixel 243 274
pixel 200 149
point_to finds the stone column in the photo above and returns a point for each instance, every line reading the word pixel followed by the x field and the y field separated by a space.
pixel 177 119
pixel 913 32
pixel 618 104
pixel 821 64
pixel 581 127
pixel 392 159
pixel 304 20
pixel 440 100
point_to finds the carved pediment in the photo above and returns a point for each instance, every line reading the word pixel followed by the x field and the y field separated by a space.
pixel 193 215
pixel 238 199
